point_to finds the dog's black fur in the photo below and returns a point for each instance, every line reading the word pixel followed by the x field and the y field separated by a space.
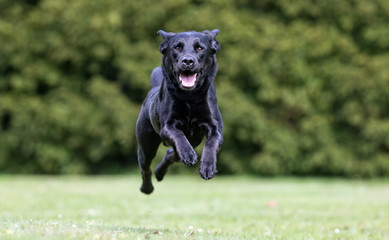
pixel 181 107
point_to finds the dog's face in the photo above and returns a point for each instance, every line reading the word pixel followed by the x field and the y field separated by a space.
pixel 189 57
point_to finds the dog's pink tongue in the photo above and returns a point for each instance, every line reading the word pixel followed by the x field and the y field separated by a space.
pixel 188 80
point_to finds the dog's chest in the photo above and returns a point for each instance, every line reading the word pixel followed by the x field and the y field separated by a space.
pixel 193 116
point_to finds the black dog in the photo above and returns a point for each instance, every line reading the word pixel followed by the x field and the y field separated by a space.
pixel 181 107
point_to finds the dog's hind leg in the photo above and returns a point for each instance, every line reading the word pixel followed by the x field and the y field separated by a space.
pixel 169 159
pixel 147 148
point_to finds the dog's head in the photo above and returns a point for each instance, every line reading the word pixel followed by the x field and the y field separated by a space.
pixel 189 58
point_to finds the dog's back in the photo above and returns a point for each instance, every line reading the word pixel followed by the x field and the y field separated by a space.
pixel 156 77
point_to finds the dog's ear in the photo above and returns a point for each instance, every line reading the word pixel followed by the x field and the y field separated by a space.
pixel 164 44
pixel 215 46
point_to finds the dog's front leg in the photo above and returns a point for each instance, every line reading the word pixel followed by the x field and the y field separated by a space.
pixel 208 158
pixel 172 136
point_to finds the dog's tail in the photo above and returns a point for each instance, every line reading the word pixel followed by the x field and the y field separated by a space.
pixel 156 77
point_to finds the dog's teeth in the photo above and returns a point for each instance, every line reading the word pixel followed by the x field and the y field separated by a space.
pixel 188 80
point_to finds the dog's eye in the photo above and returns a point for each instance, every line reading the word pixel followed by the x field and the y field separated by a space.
pixel 199 48
pixel 177 48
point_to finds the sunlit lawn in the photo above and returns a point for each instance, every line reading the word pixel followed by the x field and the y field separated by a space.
pixel 187 207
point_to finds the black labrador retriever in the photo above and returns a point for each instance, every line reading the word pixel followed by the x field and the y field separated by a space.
pixel 181 107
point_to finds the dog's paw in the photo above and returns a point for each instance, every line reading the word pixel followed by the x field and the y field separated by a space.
pixel 160 172
pixel 188 156
pixel 207 171
pixel 147 188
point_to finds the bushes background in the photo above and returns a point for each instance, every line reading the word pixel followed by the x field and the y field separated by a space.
pixel 303 86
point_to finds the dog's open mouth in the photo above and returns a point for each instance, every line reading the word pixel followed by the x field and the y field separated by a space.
pixel 188 79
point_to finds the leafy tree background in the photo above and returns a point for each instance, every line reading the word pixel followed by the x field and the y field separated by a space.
pixel 303 86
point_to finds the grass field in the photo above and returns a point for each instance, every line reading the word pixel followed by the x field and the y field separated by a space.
pixel 187 207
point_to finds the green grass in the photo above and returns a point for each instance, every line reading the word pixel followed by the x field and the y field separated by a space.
pixel 190 208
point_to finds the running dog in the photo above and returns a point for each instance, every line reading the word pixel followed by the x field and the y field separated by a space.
pixel 181 107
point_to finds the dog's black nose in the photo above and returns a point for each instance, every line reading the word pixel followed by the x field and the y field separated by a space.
pixel 188 61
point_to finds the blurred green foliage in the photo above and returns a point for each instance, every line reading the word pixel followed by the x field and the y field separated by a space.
pixel 303 86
